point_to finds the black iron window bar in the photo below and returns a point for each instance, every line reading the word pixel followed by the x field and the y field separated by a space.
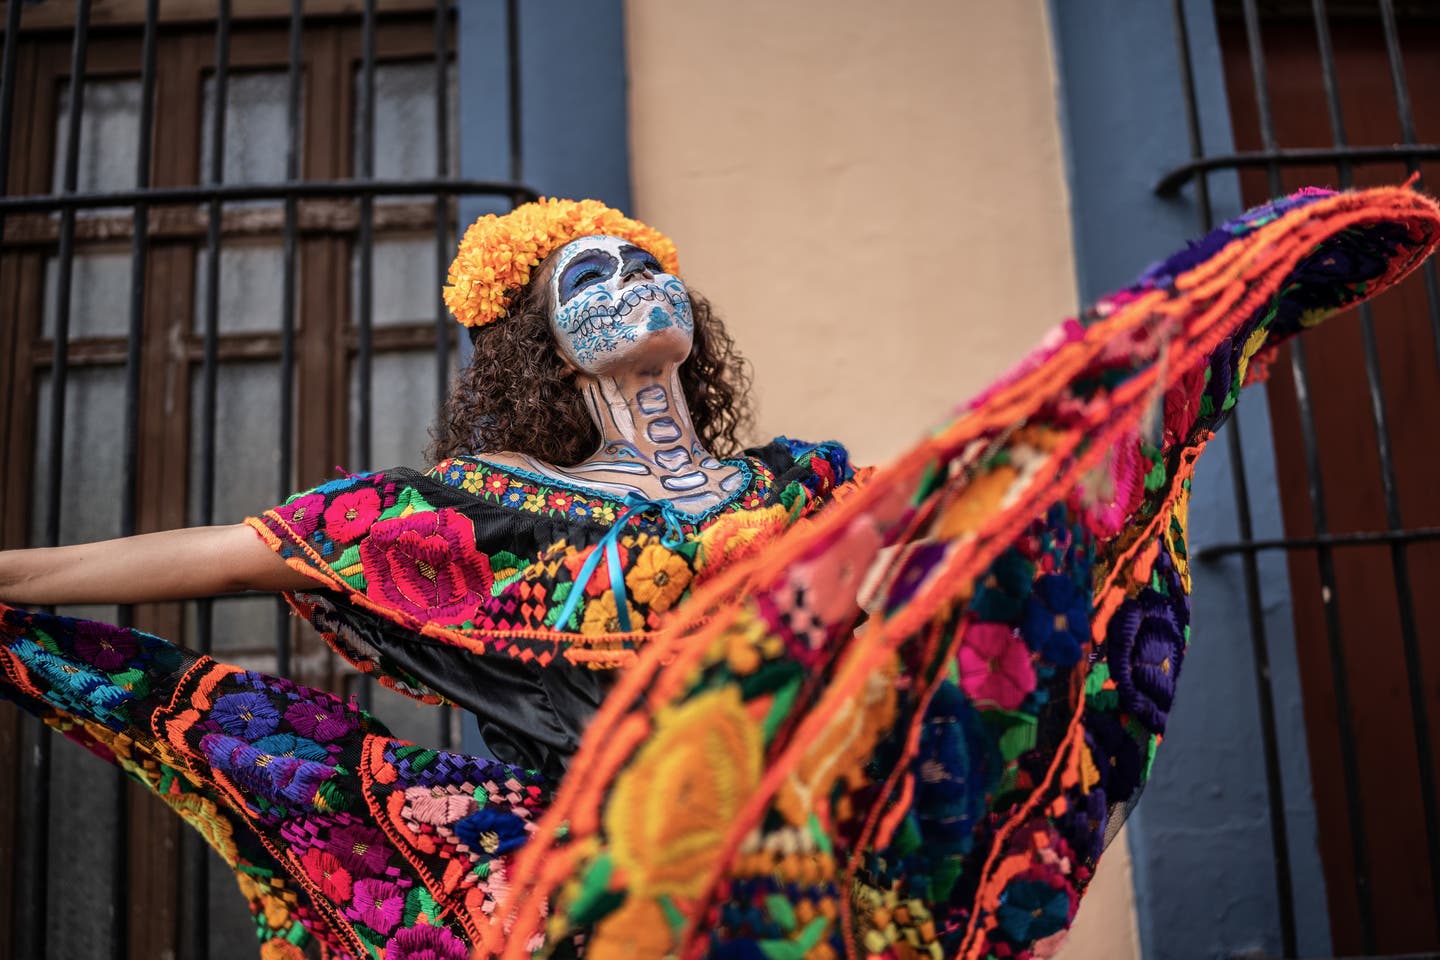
pixel 1344 157
pixel 30 872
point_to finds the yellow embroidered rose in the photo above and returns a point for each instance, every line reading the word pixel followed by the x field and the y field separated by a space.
pixel 670 809
pixel 602 615
pixel 658 577
pixel 977 503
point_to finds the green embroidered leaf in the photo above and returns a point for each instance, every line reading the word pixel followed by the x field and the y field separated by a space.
pixel 409 501
pixel 1099 673
pixel 419 901
pixel 673 916
pixel 822 839
pixel 812 933
pixel 596 900
pixel 780 708
pixel 1018 738
pixel 781 912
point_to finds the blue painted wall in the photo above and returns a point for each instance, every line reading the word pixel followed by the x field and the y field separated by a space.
pixel 1200 838
pixel 574 121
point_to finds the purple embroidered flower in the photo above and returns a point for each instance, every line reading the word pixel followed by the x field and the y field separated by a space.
pixel 303 513
pixel 1115 753
pixel 1057 620
pixel 918 563
pixel 107 647
pixel 283 780
pixel 379 904
pixel 426 943
pixel 1087 818
pixel 491 832
pixel 1145 647
pixel 319 723
pixel 247 715
pixel 427 565
pixel 362 849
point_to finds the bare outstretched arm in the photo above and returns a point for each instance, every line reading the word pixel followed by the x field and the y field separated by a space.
pixel 172 565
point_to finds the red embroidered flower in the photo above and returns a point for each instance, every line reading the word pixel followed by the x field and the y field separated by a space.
pixel 303 513
pixel 351 513
pixel 427 565
pixel 560 500
pixel 1182 405
pixel 496 484
pixel 327 870
pixel 599 580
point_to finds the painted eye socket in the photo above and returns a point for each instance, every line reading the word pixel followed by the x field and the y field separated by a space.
pixel 589 269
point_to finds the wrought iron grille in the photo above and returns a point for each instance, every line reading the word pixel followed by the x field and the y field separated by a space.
pixel 1252 19
pixel 57 222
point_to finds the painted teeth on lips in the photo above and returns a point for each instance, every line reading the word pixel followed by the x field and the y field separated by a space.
pixel 632 298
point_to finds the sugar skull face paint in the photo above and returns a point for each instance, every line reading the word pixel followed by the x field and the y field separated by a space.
pixel 614 301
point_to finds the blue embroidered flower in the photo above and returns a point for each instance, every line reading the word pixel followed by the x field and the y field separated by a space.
pixel 955 768
pixel 1031 910
pixel 283 780
pixel 247 715
pixel 514 497
pixel 74 687
pixel 342 483
pixel 1057 620
pixel 491 831
pixel 1001 593
pixel 289 745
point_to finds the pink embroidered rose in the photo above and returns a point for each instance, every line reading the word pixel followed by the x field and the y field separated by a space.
pixel 427 565
pixel 995 666
pixel 1119 487
pixel 438 807
pixel 351 513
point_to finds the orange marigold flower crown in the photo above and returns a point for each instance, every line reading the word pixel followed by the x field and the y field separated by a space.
pixel 498 253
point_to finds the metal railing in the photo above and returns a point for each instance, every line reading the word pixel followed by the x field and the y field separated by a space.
pixel 1344 157
pixel 30 868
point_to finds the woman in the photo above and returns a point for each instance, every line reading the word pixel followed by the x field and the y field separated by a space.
pixel 775 772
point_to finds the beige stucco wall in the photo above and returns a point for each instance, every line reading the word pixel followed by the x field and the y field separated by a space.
pixel 873 197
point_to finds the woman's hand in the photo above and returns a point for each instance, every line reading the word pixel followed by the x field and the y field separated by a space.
pixel 173 565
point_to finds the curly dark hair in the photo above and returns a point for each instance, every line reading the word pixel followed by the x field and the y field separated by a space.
pixel 516 396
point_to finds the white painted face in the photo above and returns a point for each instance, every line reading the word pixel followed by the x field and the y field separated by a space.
pixel 615 305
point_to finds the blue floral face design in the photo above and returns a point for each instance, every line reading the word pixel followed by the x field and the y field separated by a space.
pixel 614 301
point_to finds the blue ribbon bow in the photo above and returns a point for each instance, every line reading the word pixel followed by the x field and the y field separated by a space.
pixel 610 546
